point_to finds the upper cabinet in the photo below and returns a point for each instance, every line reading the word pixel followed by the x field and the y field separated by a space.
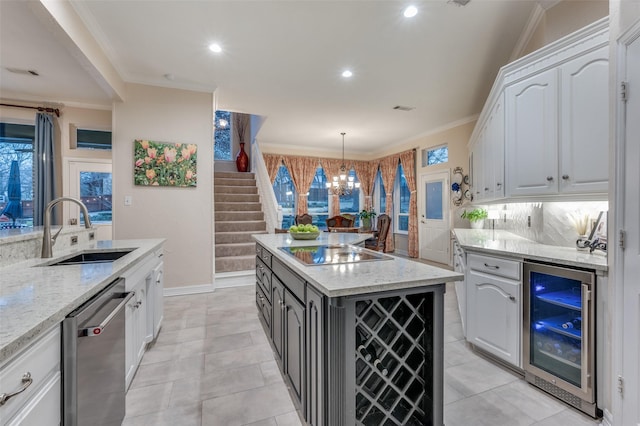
pixel 532 135
pixel 544 129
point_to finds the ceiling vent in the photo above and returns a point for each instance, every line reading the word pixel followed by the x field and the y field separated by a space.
pixel 459 2
pixel 403 108
pixel 21 71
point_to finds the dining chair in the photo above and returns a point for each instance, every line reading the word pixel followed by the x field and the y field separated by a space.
pixel 379 239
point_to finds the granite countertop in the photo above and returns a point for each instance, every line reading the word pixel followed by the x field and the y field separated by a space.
pixel 34 298
pixel 356 278
pixel 507 244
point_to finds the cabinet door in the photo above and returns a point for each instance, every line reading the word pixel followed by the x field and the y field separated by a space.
pixel 494 152
pixel 294 358
pixel 531 111
pixel 277 325
pixel 584 165
pixel 477 178
pixel 494 321
pixel 315 360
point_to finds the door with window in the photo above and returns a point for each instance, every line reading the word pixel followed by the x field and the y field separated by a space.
pixel 91 183
pixel 434 230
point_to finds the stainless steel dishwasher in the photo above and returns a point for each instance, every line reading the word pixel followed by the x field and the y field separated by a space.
pixel 93 350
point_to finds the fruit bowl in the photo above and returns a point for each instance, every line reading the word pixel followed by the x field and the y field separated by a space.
pixel 304 235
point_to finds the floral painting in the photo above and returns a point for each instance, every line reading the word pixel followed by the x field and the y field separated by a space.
pixel 164 164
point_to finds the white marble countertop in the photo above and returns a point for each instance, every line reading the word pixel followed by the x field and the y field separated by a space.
pixel 34 298
pixel 356 278
pixel 507 244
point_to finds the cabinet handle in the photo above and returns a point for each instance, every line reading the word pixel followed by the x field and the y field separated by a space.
pixel 512 298
pixel 549 178
pixel 486 265
pixel 565 177
pixel 486 189
pixel 498 184
pixel 26 382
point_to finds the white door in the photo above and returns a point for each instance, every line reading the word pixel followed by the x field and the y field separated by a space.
pixel 628 205
pixel 434 232
pixel 91 183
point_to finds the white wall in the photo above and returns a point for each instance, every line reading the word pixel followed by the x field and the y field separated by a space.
pixel 184 216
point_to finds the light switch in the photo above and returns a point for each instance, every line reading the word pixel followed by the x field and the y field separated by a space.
pixel 128 200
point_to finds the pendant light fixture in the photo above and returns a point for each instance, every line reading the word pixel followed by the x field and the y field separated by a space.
pixel 343 184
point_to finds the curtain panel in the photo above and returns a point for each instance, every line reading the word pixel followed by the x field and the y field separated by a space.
pixel 366 172
pixel 408 161
pixel 273 162
pixel 331 167
pixel 388 170
pixel 44 177
pixel 302 170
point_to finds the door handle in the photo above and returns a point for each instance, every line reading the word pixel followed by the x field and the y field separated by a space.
pixel 97 330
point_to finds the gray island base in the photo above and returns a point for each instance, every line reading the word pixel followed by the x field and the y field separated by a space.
pixel 358 342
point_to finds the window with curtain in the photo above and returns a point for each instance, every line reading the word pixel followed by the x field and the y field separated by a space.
pixel 379 195
pixel 16 189
pixel 222 136
pixel 350 204
pixel 286 196
pixel 319 199
pixel 401 202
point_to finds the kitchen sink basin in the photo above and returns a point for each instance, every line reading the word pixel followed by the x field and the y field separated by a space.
pixel 87 257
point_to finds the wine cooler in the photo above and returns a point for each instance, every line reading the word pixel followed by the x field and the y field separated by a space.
pixel 559 333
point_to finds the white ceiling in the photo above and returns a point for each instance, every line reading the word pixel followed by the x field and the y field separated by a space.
pixel 282 60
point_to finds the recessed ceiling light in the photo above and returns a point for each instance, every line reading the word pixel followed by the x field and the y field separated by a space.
pixel 347 74
pixel 215 47
pixel 410 12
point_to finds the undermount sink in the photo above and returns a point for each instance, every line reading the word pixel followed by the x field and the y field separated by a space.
pixel 87 257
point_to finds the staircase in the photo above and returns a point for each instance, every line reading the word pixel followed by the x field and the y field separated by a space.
pixel 238 214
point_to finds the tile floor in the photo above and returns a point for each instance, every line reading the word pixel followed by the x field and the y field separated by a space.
pixel 212 365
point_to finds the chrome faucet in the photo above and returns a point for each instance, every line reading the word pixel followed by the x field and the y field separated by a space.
pixel 47 240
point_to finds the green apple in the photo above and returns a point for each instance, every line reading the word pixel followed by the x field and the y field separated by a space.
pixel 294 228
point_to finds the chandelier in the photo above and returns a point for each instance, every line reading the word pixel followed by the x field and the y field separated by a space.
pixel 342 184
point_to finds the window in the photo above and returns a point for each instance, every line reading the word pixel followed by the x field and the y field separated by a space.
pixel 350 204
pixel 437 155
pixel 95 193
pixel 382 194
pixel 401 201
pixel 222 135
pixel 93 139
pixel 16 146
pixel 286 196
pixel 318 199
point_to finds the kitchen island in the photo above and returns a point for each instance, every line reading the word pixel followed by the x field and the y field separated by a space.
pixel 358 335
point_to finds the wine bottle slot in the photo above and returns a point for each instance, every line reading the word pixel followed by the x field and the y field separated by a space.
pixel 378 364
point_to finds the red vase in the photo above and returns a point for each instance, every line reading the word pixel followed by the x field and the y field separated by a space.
pixel 242 159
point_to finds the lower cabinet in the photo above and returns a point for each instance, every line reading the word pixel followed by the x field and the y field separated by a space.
pixel 143 313
pixel 315 358
pixel 494 310
pixel 34 376
pixel 294 332
pixel 277 324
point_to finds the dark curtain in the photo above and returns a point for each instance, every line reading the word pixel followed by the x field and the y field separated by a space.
pixel 44 176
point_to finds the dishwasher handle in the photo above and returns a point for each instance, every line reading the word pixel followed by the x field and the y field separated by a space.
pixel 94 331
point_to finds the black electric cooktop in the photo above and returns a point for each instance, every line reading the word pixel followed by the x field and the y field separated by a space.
pixel 333 254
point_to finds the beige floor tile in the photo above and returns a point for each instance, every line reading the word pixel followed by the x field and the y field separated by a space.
pixel 247 407
pixel 162 372
pixel 568 417
pixel 289 419
pixel 237 358
pixel 148 399
pixel 188 415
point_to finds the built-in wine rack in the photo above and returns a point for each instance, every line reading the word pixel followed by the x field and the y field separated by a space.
pixel 394 378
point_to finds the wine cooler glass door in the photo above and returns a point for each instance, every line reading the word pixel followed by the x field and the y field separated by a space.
pixel 560 324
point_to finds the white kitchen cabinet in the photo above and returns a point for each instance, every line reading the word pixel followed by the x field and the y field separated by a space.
pixel 532 135
pixel 584 123
pixel 493 156
pixel 39 404
pixel 139 312
pixel 494 311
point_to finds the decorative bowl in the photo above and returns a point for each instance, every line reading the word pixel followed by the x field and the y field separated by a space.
pixel 304 235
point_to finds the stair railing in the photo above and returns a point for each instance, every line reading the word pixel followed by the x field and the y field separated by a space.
pixel 265 189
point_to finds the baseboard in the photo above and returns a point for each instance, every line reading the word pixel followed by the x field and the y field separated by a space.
pixel 190 289
pixel 607 418
pixel 234 279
